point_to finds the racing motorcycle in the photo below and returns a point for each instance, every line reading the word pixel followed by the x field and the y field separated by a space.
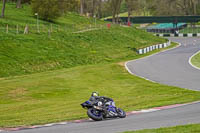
pixel 102 109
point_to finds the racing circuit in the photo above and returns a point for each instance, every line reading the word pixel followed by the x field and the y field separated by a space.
pixel 170 67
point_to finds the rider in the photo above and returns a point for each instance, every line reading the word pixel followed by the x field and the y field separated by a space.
pixel 95 98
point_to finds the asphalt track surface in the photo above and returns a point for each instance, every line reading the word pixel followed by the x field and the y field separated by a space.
pixel 169 67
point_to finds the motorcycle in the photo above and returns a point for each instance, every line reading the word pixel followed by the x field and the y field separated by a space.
pixel 103 109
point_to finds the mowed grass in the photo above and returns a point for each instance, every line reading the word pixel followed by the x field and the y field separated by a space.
pixel 26 54
pixel 178 129
pixel 56 96
pixel 196 60
pixel 38 52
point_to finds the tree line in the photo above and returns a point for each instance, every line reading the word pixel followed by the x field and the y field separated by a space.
pixel 51 9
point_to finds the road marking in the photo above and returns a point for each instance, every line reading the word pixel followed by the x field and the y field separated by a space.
pixel 48 125
pixel 190 61
pixel 149 110
pixel 62 123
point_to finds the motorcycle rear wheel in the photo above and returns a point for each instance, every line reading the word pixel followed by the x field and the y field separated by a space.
pixel 95 114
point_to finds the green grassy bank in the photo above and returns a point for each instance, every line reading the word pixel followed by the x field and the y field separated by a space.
pixel 178 129
pixel 24 54
pixel 196 60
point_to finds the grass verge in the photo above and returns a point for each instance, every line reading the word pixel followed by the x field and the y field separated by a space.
pixel 196 60
pixel 178 129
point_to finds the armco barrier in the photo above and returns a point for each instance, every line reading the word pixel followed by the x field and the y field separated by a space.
pixel 179 35
pixel 151 48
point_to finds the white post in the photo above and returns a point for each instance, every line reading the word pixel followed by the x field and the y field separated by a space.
pixel 140 51
pixel 26 30
pixel 169 43
pixel 95 21
pixel 160 45
pixel 154 47
pixel 145 50
pixel 38 28
pixel 151 48
pixel 7 28
pixel 189 34
pixel 180 35
pixel 165 45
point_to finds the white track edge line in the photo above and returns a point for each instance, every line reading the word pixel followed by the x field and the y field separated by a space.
pixel 190 61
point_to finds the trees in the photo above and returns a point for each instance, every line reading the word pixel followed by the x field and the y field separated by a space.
pixel 19 4
pixel 99 12
pixel 131 5
pixel 164 7
pixel 115 6
pixel 82 3
pixel 3 9
pixel 46 9
pixel 51 9
pixel 68 5
pixel 94 4
pixel 175 7
pixel 189 7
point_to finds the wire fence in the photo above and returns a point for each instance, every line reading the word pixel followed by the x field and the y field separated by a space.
pixel 194 29
pixel 40 29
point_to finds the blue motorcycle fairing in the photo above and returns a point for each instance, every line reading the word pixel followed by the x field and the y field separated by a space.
pixel 112 108
pixel 86 104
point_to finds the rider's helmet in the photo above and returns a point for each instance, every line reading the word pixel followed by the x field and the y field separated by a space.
pixel 95 94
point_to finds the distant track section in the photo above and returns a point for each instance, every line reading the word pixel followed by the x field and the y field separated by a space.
pixel 171 67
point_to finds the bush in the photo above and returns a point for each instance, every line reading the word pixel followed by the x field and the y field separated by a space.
pixel 46 9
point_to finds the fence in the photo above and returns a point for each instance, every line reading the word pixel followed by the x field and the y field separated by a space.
pixel 190 29
pixel 193 29
pixel 48 29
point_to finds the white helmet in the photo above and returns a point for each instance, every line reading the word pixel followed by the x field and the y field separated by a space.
pixel 95 94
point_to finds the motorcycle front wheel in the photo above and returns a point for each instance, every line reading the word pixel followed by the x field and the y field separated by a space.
pixel 95 114
pixel 121 113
